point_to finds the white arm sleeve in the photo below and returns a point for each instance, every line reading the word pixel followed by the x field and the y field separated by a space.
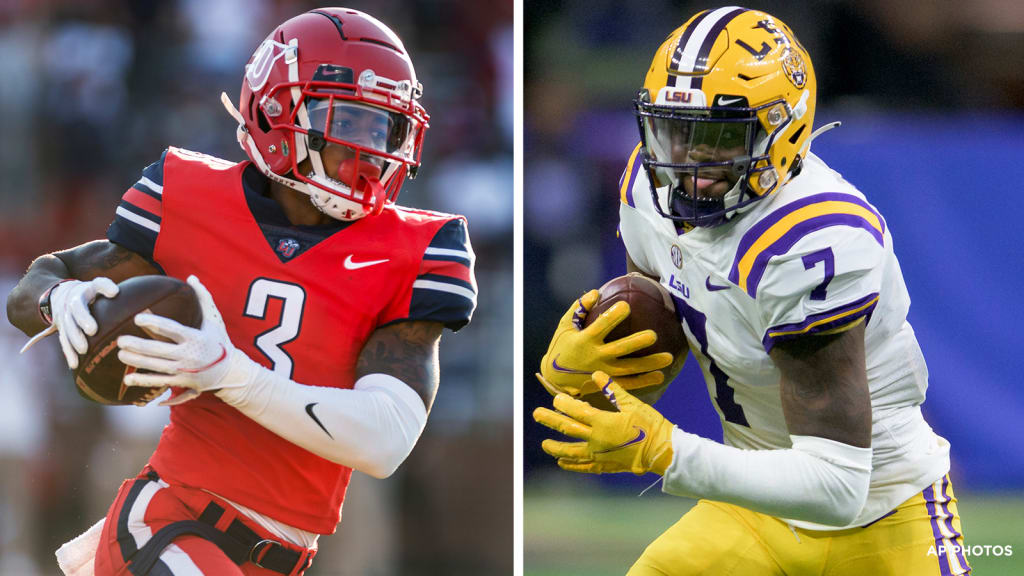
pixel 818 480
pixel 371 428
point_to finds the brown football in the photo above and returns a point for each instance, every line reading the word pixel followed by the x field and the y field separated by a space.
pixel 650 307
pixel 100 374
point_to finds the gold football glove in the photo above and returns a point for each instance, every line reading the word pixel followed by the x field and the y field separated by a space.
pixel 576 352
pixel 635 439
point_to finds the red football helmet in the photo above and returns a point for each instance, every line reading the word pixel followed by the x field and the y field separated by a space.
pixel 339 76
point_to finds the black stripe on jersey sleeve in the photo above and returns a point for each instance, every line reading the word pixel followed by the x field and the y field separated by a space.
pixel 130 235
pixel 452 310
pixel 448 300
pixel 133 237
pixel 447 280
pixel 138 212
pixel 155 171
pixel 452 236
pixel 447 258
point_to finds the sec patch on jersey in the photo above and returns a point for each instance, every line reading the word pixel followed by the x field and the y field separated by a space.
pixel 100 374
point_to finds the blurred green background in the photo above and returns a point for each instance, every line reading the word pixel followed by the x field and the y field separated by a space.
pixel 573 530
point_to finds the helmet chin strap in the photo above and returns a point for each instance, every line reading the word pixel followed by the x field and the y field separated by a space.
pixel 335 206
pixel 360 180
pixel 735 194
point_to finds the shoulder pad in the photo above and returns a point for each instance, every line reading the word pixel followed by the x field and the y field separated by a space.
pixel 421 213
pixel 634 168
pixel 190 156
pixel 777 232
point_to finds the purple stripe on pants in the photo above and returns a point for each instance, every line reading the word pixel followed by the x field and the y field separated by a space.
pixel 949 521
pixel 929 499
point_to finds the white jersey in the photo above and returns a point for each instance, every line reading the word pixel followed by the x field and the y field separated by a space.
pixel 812 257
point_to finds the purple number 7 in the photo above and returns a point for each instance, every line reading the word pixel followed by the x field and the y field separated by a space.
pixel 811 260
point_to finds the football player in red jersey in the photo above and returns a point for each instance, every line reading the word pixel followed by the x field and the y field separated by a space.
pixel 323 305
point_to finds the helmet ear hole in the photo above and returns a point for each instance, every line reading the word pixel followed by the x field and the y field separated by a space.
pixel 796 135
pixel 262 121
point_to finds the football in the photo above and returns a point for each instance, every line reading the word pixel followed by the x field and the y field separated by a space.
pixel 100 374
pixel 650 307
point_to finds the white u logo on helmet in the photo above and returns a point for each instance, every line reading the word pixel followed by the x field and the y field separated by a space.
pixel 258 71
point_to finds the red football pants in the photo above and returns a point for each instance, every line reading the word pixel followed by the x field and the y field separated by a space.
pixel 146 504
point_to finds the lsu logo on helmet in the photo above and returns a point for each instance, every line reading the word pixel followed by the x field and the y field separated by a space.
pixel 793 66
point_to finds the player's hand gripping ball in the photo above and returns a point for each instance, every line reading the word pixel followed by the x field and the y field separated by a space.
pixel 628 329
pixel 634 437
pixel 100 375
pixel 197 359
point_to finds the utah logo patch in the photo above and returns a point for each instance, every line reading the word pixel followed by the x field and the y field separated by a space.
pixel 287 247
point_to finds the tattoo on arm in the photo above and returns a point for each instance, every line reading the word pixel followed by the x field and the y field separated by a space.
pixel 408 351
pixel 824 386
pixel 116 257
pixel 85 262
pixel 103 258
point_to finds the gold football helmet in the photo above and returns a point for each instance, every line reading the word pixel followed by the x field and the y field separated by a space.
pixel 725 114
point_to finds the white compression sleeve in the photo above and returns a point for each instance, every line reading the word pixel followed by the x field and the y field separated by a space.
pixel 818 480
pixel 371 428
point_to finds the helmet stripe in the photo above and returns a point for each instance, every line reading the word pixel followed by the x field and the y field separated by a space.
pixel 678 53
pixel 693 53
pixel 701 61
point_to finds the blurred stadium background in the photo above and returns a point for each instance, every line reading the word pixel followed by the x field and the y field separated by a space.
pixel 931 95
pixel 91 92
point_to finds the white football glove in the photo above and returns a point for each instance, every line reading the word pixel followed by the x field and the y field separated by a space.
pixel 195 359
pixel 72 319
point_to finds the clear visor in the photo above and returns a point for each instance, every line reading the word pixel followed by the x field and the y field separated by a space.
pixel 365 126
pixel 689 141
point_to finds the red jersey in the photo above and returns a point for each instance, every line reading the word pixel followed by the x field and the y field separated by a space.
pixel 301 300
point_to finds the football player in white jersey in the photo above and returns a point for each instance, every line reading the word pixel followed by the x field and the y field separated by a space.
pixel 785 281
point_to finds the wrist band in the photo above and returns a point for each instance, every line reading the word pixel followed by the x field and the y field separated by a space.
pixel 45 311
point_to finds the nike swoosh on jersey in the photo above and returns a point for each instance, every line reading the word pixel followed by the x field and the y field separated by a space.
pixel 564 370
pixel 350 265
pixel 714 287
pixel 640 435
pixel 309 410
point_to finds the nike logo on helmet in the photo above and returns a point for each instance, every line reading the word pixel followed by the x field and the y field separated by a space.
pixel 640 435
pixel 564 370
pixel 714 287
pixel 309 410
pixel 350 265
pixel 723 101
